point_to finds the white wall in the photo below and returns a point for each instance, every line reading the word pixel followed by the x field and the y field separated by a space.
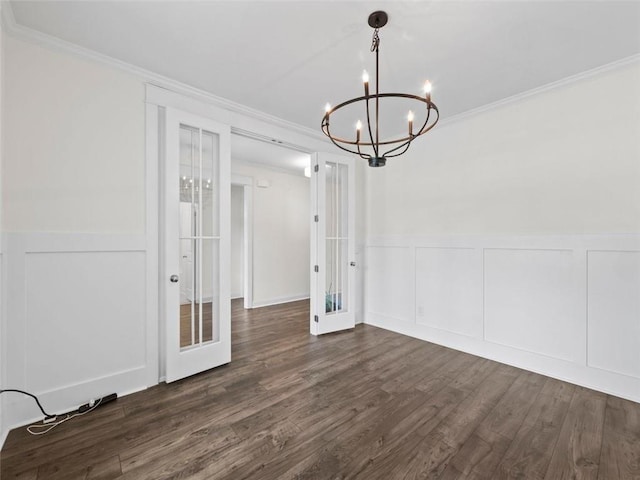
pixel 280 235
pixel 514 234
pixel 74 156
pixel 237 241
pixel 73 218
pixel 564 161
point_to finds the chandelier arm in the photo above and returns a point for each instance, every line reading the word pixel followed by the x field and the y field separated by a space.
pixel 325 129
pixel 364 156
pixel 380 95
pixel 413 137
pixel 406 146
pixel 425 130
pixel 426 121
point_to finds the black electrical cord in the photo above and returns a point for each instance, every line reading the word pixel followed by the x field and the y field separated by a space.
pixel 47 415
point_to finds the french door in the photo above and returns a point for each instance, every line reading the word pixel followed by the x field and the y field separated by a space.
pixel 332 243
pixel 195 247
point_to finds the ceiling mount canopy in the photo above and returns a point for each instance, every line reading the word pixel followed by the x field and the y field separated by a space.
pixel 369 146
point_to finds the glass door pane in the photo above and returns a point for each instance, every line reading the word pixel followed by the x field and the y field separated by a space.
pixel 199 237
pixel 337 236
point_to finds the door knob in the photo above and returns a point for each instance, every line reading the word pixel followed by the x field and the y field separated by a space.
pixel 174 278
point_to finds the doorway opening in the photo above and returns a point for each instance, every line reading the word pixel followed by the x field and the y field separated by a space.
pixel 269 222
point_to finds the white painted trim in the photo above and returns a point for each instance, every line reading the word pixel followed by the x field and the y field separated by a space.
pixel 281 300
pixel 248 244
pixel 47 242
pixel 247 184
pixel 518 97
pixel 152 178
pixel 3 359
pixel 64 399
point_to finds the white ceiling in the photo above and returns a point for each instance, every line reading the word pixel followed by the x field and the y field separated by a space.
pixel 288 58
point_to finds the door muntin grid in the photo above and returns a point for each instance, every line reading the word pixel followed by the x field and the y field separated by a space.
pixel 336 238
pixel 199 237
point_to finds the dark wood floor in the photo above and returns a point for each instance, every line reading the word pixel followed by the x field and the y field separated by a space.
pixel 366 404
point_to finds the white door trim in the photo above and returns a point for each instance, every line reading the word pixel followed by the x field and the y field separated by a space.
pixel 247 187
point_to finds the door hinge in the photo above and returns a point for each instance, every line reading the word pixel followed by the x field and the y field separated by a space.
pixel 316 269
pixel 315 318
pixel 316 168
pixel 316 218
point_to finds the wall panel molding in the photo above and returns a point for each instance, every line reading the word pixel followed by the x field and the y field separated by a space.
pixel 565 306
pixel 79 320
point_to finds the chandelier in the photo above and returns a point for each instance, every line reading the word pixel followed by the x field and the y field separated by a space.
pixel 369 146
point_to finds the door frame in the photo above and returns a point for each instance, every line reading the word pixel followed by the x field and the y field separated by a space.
pixel 247 189
pixel 243 121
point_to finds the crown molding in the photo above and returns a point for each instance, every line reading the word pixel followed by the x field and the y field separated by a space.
pixel 56 44
pixel 518 97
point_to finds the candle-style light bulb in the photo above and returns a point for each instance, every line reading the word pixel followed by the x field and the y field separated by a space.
pixel 358 128
pixel 365 80
pixel 427 90
pixel 410 118
pixel 327 108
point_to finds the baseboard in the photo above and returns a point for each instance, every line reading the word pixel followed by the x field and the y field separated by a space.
pixel 280 300
pixel 564 306
pixel 20 410
pixel 612 383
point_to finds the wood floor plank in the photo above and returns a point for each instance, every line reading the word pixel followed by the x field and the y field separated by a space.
pixel 577 451
pixel 620 455
pixel 487 445
pixel 365 404
pixel 529 453
pixel 429 457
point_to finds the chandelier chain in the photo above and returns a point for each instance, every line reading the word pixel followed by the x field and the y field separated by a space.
pixel 375 41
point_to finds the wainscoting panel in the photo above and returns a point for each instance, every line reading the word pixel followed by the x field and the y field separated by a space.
pixel 614 311
pixel 563 306
pixel 449 289
pixel 85 316
pixel 390 271
pixel 528 301
pixel 78 320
